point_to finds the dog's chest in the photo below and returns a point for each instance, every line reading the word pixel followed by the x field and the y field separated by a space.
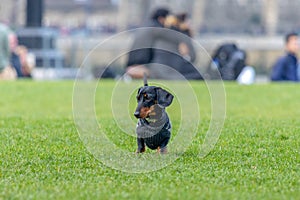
pixel 154 134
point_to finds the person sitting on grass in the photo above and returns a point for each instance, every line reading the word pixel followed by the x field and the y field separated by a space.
pixel 286 67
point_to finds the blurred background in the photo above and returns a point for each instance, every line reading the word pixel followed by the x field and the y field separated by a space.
pixel 60 33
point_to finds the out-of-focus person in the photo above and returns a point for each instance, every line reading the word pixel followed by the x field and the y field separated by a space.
pixel 162 53
pixel 184 25
pixel 22 61
pixel 141 51
pixel 14 57
pixel 179 57
pixel 286 67
pixel 6 71
pixel 27 60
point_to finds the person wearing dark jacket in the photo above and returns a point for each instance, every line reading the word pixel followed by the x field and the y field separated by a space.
pixel 159 52
pixel 141 51
pixel 286 67
pixel 177 57
pixel 14 57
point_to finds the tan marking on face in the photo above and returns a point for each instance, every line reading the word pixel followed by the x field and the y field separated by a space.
pixel 152 111
pixel 145 112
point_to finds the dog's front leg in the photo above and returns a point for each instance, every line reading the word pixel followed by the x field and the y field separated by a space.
pixel 141 145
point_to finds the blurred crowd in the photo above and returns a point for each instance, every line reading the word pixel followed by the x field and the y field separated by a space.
pixel 163 49
pixel 15 60
pixel 169 54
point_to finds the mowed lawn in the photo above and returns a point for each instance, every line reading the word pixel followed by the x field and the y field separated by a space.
pixel 257 155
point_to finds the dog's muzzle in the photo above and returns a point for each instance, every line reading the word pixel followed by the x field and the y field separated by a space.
pixel 137 114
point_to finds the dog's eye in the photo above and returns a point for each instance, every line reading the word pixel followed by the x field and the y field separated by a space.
pixel 146 96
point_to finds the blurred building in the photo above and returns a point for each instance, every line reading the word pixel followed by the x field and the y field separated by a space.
pixel 208 16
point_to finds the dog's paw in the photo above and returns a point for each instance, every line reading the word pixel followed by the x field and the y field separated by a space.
pixel 163 150
pixel 140 150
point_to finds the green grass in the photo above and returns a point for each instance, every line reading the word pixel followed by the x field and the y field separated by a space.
pixel 256 157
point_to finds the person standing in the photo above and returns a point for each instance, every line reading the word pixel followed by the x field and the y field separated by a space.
pixel 286 67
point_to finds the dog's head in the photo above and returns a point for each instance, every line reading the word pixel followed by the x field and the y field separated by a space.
pixel 149 98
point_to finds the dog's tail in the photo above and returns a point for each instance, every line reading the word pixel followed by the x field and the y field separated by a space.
pixel 145 80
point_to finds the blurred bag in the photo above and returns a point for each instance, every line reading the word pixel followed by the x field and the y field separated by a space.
pixel 229 60
pixel 247 76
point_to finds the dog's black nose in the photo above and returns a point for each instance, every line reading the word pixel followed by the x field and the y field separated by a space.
pixel 137 114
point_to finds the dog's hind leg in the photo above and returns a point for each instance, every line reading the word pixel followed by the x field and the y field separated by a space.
pixel 163 150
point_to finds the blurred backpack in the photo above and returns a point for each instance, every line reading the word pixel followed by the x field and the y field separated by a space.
pixel 229 60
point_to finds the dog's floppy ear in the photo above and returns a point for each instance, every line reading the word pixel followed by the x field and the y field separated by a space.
pixel 164 98
pixel 138 92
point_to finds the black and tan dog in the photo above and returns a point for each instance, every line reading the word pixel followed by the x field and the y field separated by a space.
pixel 153 127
